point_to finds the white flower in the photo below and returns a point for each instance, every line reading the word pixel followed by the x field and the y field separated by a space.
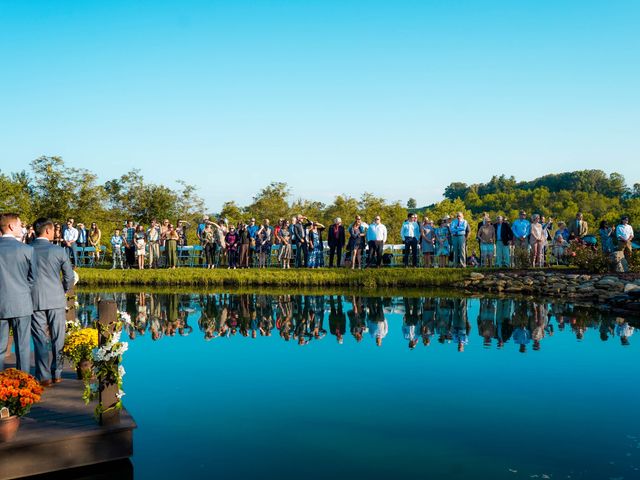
pixel 125 317
pixel 76 304
pixel 120 394
pixel 121 371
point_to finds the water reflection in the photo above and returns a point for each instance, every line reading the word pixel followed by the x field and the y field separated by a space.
pixel 311 318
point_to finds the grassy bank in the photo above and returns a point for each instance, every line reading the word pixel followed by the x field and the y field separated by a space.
pixel 193 277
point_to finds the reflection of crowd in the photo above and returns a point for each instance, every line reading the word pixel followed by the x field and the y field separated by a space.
pixel 307 318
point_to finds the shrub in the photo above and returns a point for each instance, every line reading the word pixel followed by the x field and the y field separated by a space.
pixel 587 258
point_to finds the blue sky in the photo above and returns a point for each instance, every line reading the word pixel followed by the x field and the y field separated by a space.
pixel 399 98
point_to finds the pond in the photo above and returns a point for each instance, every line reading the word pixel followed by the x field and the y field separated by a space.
pixel 348 386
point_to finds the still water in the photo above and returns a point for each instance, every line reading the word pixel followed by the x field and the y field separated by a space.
pixel 345 386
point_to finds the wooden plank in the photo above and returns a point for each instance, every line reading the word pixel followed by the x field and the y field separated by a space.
pixel 61 433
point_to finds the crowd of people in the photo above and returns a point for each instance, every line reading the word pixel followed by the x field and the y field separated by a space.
pixel 302 242
pixel 308 318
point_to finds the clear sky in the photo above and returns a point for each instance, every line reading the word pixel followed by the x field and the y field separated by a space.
pixel 394 97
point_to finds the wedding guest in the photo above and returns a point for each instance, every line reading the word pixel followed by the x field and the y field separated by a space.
pixel 117 242
pixel 171 239
pixel 459 232
pixel 410 232
pixel 30 236
pixel 244 242
pixel 504 239
pixel 427 241
pixel 443 243
pixel 129 233
pixel 300 240
pixel 559 244
pixel 606 237
pixel 377 236
pixel 356 242
pixel 153 240
pixel 285 245
pixel 69 238
pixel 231 241
pixel 336 241
pixel 487 238
pixel 140 240
pixel 57 235
pixel 220 231
pixel 521 229
pixel 95 236
pixel 624 234
pixel 208 244
pixel 536 241
pixel 316 247
pixel 164 228
pixel 264 240
pixel 578 228
pixel 82 236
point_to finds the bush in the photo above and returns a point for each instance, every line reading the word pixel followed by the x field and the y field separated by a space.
pixel 588 258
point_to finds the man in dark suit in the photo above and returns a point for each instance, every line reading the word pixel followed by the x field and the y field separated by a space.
pixel 504 239
pixel 17 273
pixel 336 241
pixel 49 302
pixel 301 240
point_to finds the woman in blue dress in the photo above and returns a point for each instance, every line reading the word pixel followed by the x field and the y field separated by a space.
pixel 606 237
pixel 427 241
pixel 443 244
pixel 316 247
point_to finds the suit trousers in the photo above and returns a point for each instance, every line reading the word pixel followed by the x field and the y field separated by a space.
pixel 43 323
pixel 410 243
pixel 130 256
pixel 459 251
pixel 375 252
pixel 503 257
pixel 302 253
pixel 154 254
pixel 335 250
pixel 21 339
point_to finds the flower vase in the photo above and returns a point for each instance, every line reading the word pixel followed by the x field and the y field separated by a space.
pixel 83 368
pixel 9 427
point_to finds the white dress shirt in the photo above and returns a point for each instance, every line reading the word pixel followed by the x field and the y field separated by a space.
pixel 70 234
pixel 624 232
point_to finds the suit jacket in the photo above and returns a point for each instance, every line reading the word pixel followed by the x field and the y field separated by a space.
pixel 578 230
pixel 17 273
pixel 332 239
pixel 48 291
pixel 299 232
pixel 506 235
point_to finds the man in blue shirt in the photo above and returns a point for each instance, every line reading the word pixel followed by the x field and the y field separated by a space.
pixel 521 229
pixel 459 232
pixel 252 228
pixel 410 232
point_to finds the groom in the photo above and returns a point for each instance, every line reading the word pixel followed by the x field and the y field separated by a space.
pixel 49 302
pixel 17 273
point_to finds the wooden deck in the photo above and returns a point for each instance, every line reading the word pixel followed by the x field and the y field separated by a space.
pixel 61 433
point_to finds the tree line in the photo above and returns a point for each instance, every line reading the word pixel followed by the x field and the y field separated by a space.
pixel 51 188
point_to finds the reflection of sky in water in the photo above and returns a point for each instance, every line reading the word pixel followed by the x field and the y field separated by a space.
pixel 238 407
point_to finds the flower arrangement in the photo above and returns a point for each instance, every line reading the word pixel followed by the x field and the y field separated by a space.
pixel 107 366
pixel 79 344
pixel 18 391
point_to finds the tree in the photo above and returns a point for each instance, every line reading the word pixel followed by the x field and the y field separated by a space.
pixel 411 203
pixel 231 212
pixel 456 190
pixel 271 202
pixel 16 196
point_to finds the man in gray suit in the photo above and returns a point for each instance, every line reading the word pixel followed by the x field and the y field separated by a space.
pixel 49 302
pixel 17 273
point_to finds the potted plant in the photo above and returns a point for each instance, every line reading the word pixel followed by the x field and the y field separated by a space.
pixel 18 392
pixel 78 348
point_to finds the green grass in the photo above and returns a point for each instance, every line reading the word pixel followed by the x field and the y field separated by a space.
pixel 195 277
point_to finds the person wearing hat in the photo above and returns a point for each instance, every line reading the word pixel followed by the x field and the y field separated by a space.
pixel 624 234
pixel 459 233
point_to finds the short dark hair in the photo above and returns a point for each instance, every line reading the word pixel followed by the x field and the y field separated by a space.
pixel 409 215
pixel 6 219
pixel 41 224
